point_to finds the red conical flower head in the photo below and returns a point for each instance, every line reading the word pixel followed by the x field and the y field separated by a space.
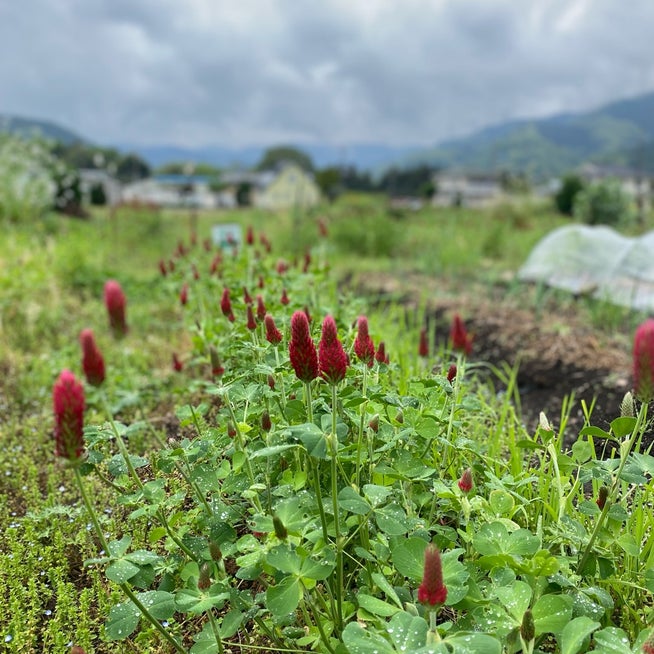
pixel 249 236
pixel 432 590
pixel 451 373
pixel 380 354
pixel 92 361
pixel 226 305
pixel 183 295
pixel 423 346
pixel 302 351
pixel 466 483
pixel 273 335
pixel 115 301
pixel 461 340
pixel 251 323
pixel 284 299
pixel 68 403
pixel 178 365
pixel 643 361
pixel 247 298
pixel 332 359
pixel 261 309
pixel 364 348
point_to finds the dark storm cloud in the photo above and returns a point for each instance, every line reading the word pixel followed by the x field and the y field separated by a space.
pixel 219 71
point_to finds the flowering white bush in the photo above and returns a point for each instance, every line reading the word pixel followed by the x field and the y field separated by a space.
pixel 27 188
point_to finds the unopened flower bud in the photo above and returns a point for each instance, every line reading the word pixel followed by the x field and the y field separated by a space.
pixel 280 530
pixel 204 580
pixel 602 496
pixel 266 423
pixel 528 628
pixel 374 423
pixel 214 550
pixel 627 409
pixel 465 483
pixel 451 373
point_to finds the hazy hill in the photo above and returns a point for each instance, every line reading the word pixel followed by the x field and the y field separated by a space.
pixel 621 132
pixel 44 128
pixel 551 146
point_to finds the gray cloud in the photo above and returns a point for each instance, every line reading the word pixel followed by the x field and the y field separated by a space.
pixel 263 71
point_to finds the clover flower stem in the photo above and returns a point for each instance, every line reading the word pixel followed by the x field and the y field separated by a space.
pixel 124 587
pixel 460 365
pixel 337 528
pixel 364 390
pixel 625 449
pixel 186 474
pixel 132 472
pixel 241 446
pixel 323 636
pixel 216 632
pixel 281 379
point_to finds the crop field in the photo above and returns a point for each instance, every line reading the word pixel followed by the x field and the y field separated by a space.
pixel 323 437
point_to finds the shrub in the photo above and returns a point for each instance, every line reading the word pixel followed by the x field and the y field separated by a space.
pixel 604 203
pixel 564 200
pixel 26 186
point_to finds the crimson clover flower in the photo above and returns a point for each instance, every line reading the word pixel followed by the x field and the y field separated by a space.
pixel 284 299
pixel 273 335
pixel 115 301
pixel 423 345
pixel 643 361
pixel 465 482
pixel 92 360
pixel 162 268
pixel 261 309
pixel 332 359
pixel 183 295
pixel 380 354
pixel 251 323
pixel 451 373
pixel 226 305
pixel 432 590
pixel 302 351
pixel 178 364
pixel 459 337
pixel 249 236
pixel 68 404
pixel 247 298
pixel 363 345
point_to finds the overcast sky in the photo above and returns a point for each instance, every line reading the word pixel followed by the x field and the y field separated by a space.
pixel 243 72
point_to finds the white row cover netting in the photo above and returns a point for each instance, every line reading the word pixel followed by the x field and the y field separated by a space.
pixel 596 261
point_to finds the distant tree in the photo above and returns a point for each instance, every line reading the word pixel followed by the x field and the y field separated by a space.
pixel 273 157
pixel 406 181
pixel 355 180
pixel 98 196
pixel 329 181
pixel 244 194
pixel 182 168
pixel 604 203
pixel 565 198
pixel 132 168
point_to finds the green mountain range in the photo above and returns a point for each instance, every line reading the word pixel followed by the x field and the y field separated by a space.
pixel 43 128
pixel 618 133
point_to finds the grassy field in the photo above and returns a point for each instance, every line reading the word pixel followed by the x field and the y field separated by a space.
pixel 51 282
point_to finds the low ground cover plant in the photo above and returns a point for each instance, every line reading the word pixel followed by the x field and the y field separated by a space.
pixel 321 493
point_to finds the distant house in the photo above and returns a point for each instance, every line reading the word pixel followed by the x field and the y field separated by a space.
pixel 459 189
pixel 94 179
pixel 288 188
pixel 636 184
pixel 172 191
pixel 284 188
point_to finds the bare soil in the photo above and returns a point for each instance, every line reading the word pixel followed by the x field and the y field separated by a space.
pixel 559 354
